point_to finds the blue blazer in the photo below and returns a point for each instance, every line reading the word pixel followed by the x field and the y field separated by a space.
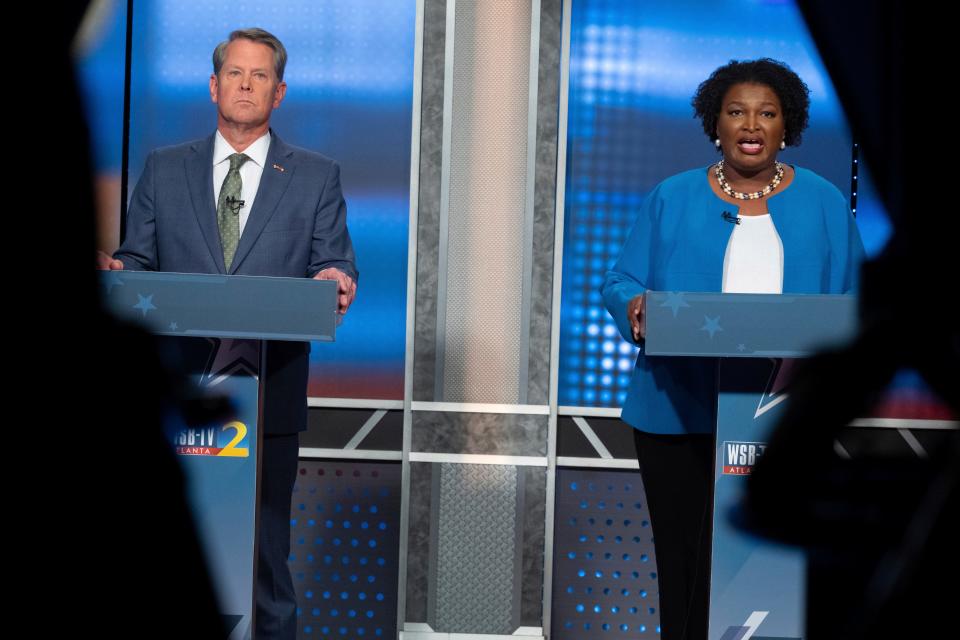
pixel 678 243
pixel 296 228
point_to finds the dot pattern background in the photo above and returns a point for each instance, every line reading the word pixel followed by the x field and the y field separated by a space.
pixel 605 570
pixel 344 549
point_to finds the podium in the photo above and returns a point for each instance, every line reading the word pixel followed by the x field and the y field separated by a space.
pixel 217 327
pixel 757 588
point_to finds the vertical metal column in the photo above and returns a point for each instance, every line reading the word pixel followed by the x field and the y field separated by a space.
pixel 474 454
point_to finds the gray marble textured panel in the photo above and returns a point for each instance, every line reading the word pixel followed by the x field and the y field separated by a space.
pixel 482 433
pixel 418 541
pixel 428 225
pixel 534 499
pixel 548 81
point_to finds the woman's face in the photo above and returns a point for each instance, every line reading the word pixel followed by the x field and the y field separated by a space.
pixel 750 127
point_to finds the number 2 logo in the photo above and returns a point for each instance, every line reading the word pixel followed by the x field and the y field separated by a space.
pixel 232 450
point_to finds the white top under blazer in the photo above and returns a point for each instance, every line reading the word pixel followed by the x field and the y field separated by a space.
pixel 753 262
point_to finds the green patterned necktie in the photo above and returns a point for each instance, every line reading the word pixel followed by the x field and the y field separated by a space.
pixel 228 208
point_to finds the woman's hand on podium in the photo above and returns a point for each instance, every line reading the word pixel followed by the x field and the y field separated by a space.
pixel 636 312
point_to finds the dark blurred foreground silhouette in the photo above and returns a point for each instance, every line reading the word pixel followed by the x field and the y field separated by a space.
pixel 880 531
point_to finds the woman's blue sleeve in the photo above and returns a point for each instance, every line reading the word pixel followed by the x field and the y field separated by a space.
pixel 846 246
pixel 631 275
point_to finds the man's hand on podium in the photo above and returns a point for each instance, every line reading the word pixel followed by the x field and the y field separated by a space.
pixel 346 287
pixel 636 312
pixel 106 262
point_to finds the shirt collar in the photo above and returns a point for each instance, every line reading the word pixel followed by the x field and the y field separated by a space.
pixel 257 152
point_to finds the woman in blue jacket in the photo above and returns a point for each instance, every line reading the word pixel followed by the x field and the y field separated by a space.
pixel 747 224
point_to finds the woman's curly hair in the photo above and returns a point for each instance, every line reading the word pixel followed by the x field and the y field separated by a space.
pixel 790 89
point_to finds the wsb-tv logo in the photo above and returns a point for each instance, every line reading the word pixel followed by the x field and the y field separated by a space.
pixel 212 441
pixel 739 457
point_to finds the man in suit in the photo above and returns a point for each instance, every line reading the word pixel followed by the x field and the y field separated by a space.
pixel 244 202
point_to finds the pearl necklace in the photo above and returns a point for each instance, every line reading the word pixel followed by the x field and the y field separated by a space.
pixel 756 195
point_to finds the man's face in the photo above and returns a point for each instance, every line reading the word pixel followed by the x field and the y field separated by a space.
pixel 246 91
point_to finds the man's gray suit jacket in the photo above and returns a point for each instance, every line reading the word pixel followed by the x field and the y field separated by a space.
pixel 296 228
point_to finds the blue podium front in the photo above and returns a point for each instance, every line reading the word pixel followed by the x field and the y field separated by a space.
pixel 214 327
pixel 757 588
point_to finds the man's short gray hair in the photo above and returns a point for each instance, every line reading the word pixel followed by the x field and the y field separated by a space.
pixel 254 35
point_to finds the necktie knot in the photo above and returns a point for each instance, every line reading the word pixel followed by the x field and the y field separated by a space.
pixel 237 160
